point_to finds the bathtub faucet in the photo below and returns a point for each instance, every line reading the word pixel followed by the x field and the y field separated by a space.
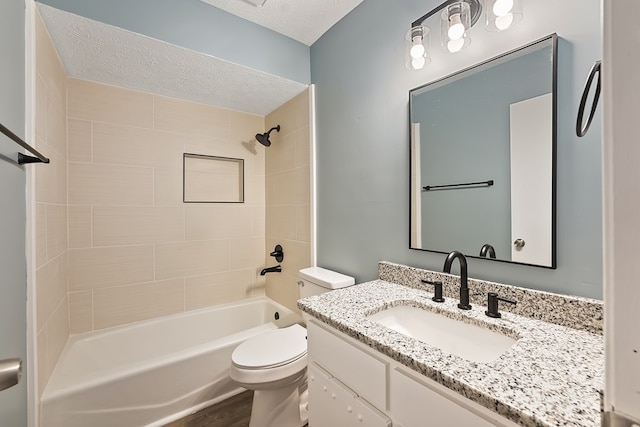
pixel 276 269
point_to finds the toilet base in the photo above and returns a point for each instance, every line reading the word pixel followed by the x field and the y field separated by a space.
pixel 283 407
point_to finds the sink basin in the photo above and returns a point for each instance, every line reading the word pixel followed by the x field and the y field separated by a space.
pixel 470 342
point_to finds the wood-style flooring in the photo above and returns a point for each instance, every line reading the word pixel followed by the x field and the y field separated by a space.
pixel 233 412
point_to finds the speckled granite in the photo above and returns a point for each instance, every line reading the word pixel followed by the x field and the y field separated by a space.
pixel 574 312
pixel 552 376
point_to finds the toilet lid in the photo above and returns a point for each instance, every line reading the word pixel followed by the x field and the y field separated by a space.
pixel 271 349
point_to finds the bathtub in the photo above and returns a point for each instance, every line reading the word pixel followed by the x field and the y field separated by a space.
pixel 157 371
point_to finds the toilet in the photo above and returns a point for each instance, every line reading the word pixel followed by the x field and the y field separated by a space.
pixel 274 363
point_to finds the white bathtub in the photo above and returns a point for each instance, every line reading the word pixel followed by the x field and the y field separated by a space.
pixel 154 372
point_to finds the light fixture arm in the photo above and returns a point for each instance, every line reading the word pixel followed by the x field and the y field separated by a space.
pixel 476 11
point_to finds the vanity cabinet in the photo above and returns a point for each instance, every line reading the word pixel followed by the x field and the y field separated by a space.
pixel 352 385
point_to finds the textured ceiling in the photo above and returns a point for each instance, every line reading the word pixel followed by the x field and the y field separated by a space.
pixel 94 51
pixel 302 20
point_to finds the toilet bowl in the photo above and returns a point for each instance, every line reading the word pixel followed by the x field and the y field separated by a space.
pixel 274 364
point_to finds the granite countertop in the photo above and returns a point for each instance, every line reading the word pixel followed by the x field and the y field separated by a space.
pixel 552 376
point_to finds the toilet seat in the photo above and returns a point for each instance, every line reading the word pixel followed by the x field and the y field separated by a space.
pixel 270 358
pixel 271 349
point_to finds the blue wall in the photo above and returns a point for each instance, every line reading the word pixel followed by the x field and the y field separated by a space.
pixel 13 280
pixel 363 141
pixel 198 26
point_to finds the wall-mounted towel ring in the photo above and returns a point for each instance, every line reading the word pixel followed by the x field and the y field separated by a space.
pixel 581 129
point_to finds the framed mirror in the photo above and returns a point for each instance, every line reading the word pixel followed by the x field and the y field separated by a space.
pixel 483 147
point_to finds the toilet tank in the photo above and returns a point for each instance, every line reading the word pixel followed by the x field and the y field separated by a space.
pixel 317 280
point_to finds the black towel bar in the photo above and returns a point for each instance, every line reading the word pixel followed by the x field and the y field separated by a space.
pixel 22 158
pixel 488 183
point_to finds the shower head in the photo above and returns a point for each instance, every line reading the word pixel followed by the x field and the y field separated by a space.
pixel 263 138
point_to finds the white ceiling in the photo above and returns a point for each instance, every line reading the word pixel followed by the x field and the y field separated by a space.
pixel 95 51
pixel 301 20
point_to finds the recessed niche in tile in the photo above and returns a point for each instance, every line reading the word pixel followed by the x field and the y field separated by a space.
pixel 212 179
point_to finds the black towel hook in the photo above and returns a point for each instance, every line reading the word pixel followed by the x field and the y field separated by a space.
pixel 581 129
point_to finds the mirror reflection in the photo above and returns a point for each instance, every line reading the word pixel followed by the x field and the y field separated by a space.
pixel 482 159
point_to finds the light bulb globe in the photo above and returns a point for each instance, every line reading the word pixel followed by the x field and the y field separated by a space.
pixel 504 22
pixel 502 7
pixel 417 50
pixel 418 63
pixel 456 31
pixel 454 46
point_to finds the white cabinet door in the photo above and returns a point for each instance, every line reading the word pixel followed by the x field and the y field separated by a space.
pixel 368 416
pixel 319 398
pixel 415 404
pixel 331 404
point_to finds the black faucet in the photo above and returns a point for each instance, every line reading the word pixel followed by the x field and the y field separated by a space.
pixel 464 285
pixel 487 249
pixel 276 269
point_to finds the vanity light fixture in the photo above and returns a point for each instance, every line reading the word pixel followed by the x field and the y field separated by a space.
pixel 417 47
pixel 456 19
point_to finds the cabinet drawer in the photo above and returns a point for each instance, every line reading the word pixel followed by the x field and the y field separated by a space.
pixel 358 370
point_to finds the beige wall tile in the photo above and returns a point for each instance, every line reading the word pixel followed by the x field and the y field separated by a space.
pixel 259 220
pixel 56 126
pixel 41 234
pixel 48 64
pixel 281 222
pixel 258 160
pixel 212 145
pixel 79 226
pixel 51 288
pixel 303 147
pixel 283 288
pixel 282 154
pixel 132 225
pixel 303 223
pixel 217 221
pixel 183 259
pixel 290 187
pixel 175 115
pixel 41 360
pixel 57 332
pixel 51 180
pixel 125 304
pixel 91 184
pixel 167 187
pixel 243 126
pixel 254 189
pixel 249 254
pixel 56 230
pixel 79 141
pixel 213 289
pixel 80 312
pixel 41 108
pixel 110 104
pixel 126 145
pixel 103 267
